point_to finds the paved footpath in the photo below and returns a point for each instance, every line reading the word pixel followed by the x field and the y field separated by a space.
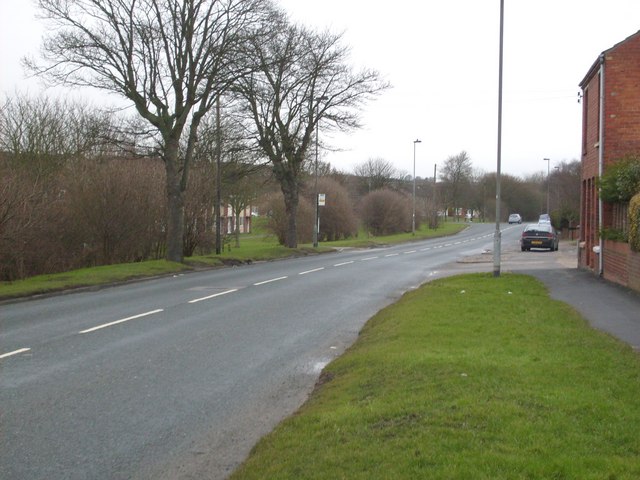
pixel 606 306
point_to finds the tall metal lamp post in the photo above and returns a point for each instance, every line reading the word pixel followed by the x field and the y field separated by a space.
pixel 497 236
pixel 413 216
pixel 548 164
pixel 316 225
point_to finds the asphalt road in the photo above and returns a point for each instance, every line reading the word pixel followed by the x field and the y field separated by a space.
pixel 179 377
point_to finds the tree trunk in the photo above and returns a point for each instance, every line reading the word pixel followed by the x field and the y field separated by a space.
pixel 175 200
pixel 175 226
pixel 291 208
pixel 237 230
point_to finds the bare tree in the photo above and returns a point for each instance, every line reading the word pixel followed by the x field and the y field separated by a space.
pixel 456 176
pixel 375 174
pixel 303 80
pixel 170 58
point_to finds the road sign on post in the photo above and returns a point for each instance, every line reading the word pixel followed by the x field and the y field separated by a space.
pixel 321 199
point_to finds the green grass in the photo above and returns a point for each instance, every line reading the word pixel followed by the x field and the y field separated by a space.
pixel 257 246
pixel 88 277
pixel 469 377
pixel 422 233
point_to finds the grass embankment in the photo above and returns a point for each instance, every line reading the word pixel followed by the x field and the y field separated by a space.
pixel 257 246
pixel 469 377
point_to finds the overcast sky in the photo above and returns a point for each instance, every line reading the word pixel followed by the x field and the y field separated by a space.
pixel 441 56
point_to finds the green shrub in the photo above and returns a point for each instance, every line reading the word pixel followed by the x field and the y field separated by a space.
pixel 621 181
pixel 634 223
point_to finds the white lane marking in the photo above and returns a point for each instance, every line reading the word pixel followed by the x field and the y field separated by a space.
pixel 209 297
pixel 343 263
pixel 15 352
pixel 110 324
pixel 410 251
pixel 425 249
pixel 311 271
pixel 368 258
pixel 392 255
pixel 269 281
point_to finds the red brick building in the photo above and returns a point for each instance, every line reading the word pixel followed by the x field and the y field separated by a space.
pixel 610 130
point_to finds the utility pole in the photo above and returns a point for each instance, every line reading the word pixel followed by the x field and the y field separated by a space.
pixel 497 234
pixel 218 202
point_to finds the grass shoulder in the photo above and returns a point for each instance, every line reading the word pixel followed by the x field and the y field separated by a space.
pixel 467 377
pixel 255 247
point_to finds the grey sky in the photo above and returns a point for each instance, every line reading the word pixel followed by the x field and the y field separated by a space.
pixel 442 59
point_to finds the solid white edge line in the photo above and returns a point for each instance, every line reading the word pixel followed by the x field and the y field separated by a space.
pixel 209 297
pixel 343 263
pixel 311 271
pixel 110 324
pixel 269 281
pixel 15 352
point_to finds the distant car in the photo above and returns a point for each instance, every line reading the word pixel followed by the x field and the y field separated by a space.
pixel 544 218
pixel 515 218
pixel 539 235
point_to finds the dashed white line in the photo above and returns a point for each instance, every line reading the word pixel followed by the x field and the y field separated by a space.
pixel 343 263
pixel 110 324
pixel 269 281
pixel 392 255
pixel 425 249
pixel 209 297
pixel 15 352
pixel 368 258
pixel 410 251
pixel 311 271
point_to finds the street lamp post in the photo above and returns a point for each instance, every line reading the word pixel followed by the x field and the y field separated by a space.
pixel 413 216
pixel 548 164
pixel 497 236
pixel 316 225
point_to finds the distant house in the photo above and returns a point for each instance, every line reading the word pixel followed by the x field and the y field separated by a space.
pixel 610 130
pixel 228 220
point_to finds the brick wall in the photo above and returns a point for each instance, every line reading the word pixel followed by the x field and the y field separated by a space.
pixel 621 137
pixel 634 270
pixel 622 102
pixel 621 264
pixel 616 259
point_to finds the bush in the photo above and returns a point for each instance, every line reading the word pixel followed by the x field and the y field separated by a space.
pixel 115 210
pixel 337 218
pixel 277 223
pixel 87 213
pixel 621 181
pixel 634 223
pixel 386 212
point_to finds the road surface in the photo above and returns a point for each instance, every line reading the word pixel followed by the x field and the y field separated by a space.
pixel 178 377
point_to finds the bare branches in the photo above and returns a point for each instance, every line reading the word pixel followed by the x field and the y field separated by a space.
pixel 300 78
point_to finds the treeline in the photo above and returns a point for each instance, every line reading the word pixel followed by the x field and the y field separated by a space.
pixel 75 191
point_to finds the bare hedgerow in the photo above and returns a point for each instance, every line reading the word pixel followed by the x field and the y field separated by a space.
pixel 337 218
pixel 385 212
pixel 278 222
pixel 116 211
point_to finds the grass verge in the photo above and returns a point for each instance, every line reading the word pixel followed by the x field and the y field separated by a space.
pixel 467 377
pixel 87 277
pixel 422 233
pixel 253 247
